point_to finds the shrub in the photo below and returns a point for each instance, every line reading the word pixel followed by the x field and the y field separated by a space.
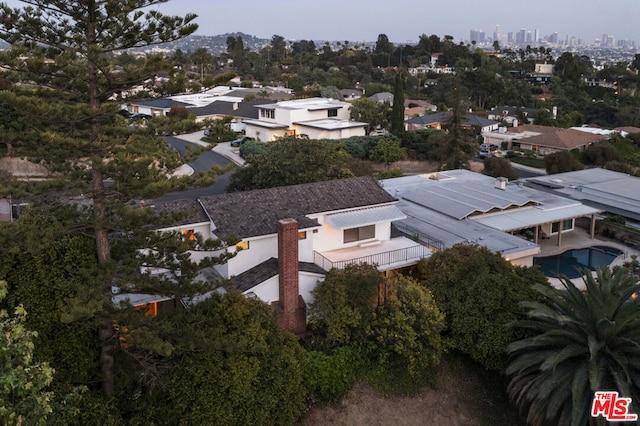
pixel 329 377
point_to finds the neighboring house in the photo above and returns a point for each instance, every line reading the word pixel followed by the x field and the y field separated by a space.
pixel 317 118
pixel 416 108
pixel 383 98
pixel 351 94
pixel 156 107
pixel 228 94
pixel 628 130
pixel 439 119
pixel 511 114
pixel 292 235
pixel 422 69
pixel 241 111
pixel 594 81
pixel 460 206
pixel 543 139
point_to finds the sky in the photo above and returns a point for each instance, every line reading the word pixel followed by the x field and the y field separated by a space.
pixel 405 20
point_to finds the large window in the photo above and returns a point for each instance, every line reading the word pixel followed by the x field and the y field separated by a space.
pixel 267 113
pixel 567 225
pixel 358 234
pixel 333 112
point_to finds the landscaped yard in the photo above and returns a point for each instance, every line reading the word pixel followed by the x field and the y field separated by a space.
pixel 465 395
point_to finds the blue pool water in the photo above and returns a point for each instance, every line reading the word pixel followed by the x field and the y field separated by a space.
pixel 571 262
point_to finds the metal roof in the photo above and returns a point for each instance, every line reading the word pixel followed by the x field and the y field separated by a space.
pixel 364 217
pixel 530 217
pixel 460 198
pixel 614 192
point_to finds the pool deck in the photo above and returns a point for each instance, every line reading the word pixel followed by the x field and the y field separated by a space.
pixel 577 239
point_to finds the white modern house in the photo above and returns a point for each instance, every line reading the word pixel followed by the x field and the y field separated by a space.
pixel 290 236
pixel 317 118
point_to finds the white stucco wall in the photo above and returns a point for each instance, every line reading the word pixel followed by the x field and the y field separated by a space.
pixel 329 238
pixel 262 249
pixel 269 292
pixel 315 133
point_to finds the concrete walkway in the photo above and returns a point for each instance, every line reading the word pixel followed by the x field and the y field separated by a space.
pixel 183 170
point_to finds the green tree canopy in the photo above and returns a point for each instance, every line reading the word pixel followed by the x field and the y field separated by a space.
pixel 388 151
pixel 479 292
pixel 68 49
pixel 397 109
pixel 370 111
pixel 499 167
pixel 406 330
pixel 232 365
pixel 24 398
pixel 345 300
pixel 291 161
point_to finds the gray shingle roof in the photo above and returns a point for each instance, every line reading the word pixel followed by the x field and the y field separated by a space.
pixel 252 213
pixel 164 103
pixel 181 212
pixel 265 270
pixel 244 109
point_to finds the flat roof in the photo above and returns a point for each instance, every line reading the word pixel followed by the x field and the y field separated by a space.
pixel 311 104
pixel 265 124
pixel 614 192
pixel 331 124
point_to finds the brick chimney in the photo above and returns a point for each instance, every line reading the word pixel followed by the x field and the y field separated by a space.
pixel 291 311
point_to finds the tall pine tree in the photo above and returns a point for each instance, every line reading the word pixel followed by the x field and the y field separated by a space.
pixel 397 110
pixel 66 47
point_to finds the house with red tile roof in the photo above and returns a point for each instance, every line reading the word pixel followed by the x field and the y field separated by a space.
pixel 543 139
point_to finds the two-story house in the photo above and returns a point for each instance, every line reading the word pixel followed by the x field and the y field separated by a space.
pixel 317 118
pixel 290 236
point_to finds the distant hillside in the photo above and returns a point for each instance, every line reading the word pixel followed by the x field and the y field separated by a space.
pixel 217 44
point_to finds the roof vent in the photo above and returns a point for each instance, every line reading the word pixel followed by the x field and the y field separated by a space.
pixel 501 183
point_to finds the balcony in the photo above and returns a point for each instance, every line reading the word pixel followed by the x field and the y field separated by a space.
pixel 391 254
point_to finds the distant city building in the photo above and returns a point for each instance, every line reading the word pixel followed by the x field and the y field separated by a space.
pixel 477 36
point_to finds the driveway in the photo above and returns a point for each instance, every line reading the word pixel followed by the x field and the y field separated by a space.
pixel 222 155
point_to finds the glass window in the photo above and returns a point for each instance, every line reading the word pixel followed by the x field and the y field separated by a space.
pixel 358 234
pixel 567 225
pixel 188 235
pixel 333 112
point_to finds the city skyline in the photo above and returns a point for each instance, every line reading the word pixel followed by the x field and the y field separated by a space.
pixel 405 20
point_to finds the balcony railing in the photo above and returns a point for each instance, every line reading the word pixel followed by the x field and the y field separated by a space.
pixel 398 229
pixel 398 257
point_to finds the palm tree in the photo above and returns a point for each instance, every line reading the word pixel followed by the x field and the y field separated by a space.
pixel 582 341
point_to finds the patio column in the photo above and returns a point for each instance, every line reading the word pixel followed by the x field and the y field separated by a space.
pixel 559 233
pixel 592 231
pixel 535 234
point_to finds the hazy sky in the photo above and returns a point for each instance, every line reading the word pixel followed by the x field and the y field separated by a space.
pixel 405 20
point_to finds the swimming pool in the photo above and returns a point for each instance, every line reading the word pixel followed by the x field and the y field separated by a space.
pixel 570 262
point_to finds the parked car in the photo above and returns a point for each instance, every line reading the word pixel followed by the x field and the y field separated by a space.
pixel 207 131
pixel 140 116
pixel 240 141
